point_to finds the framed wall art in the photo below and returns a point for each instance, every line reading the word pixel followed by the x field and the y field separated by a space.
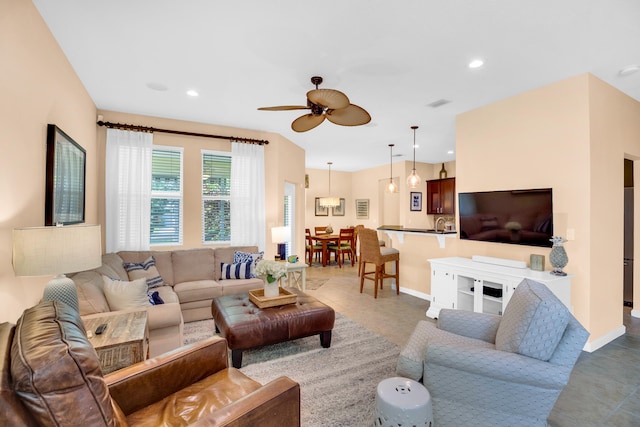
pixel 362 208
pixel 65 179
pixel 416 201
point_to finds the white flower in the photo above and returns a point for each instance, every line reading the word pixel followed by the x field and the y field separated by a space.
pixel 275 269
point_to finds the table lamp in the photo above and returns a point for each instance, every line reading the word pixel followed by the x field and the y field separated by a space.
pixel 56 250
pixel 281 235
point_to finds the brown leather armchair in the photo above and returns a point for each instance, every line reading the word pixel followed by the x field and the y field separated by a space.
pixel 50 375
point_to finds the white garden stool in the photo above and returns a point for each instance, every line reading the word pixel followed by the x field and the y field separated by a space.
pixel 402 402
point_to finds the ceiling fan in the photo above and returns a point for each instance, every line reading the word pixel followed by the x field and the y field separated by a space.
pixel 329 104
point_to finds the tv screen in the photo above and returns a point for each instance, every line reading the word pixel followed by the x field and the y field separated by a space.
pixel 521 217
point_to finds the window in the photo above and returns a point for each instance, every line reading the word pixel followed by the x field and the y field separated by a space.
pixel 289 215
pixel 166 196
pixel 216 197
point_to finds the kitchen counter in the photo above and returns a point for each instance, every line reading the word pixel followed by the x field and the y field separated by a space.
pixel 398 232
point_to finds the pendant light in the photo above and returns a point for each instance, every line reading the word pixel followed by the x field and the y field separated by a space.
pixel 329 202
pixel 391 187
pixel 413 180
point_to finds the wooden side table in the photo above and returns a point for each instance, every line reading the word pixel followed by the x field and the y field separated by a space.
pixel 124 342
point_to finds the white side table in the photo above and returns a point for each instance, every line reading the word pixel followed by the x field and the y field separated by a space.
pixel 297 275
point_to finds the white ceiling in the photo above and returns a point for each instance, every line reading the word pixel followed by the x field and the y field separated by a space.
pixel 390 57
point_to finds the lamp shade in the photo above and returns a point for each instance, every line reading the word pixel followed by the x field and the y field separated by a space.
pixel 329 202
pixel 40 251
pixel 280 234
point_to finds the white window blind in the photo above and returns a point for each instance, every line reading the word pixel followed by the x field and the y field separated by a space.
pixel 166 196
pixel 216 197
pixel 289 215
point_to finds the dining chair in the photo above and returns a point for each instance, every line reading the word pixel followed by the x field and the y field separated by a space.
pixel 372 253
pixel 356 244
pixel 320 230
pixel 311 248
pixel 345 245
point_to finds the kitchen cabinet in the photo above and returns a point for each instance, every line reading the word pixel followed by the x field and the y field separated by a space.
pixel 465 284
pixel 441 196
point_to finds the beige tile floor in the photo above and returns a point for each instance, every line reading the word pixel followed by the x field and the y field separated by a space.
pixel 604 389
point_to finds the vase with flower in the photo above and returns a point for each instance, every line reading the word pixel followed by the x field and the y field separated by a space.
pixel 271 271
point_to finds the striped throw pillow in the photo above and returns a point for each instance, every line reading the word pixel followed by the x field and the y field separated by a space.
pixel 146 269
pixel 241 270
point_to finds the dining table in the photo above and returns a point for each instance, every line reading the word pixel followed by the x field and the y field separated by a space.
pixel 325 240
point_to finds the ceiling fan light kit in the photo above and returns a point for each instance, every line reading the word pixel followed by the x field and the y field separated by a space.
pixel 413 180
pixel 329 202
pixel 329 104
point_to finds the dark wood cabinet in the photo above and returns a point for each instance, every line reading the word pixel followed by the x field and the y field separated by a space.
pixel 441 196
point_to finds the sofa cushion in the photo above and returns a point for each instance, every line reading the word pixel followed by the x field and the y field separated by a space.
pixel 198 290
pixel 145 269
pixel 533 322
pixel 56 372
pixel 241 270
pixel 193 264
pixel 112 267
pixel 123 295
pixel 90 295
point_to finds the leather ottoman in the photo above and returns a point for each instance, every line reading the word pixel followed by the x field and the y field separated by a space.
pixel 246 326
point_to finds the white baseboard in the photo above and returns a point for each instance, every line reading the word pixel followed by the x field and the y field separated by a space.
pixel 605 339
pixel 635 313
pixel 414 293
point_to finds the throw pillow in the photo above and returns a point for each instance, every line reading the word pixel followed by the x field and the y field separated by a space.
pixel 146 269
pixel 123 295
pixel 241 270
pixel 252 257
pixel 533 322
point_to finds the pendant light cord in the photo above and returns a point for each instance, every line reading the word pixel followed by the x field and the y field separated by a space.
pixel 414 146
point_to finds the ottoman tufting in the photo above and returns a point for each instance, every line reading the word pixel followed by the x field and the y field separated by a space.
pixel 246 326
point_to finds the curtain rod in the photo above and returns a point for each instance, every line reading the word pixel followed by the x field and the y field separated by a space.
pixel 179 132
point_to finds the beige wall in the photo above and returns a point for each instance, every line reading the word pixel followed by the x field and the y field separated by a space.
pixel 37 87
pixel 572 136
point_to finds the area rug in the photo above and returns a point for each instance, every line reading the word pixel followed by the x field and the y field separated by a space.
pixel 314 284
pixel 337 384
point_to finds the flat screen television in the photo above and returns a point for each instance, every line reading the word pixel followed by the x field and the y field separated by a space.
pixel 521 217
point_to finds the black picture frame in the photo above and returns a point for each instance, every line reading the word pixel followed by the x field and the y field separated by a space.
pixel 321 210
pixel 65 179
pixel 339 210
pixel 415 201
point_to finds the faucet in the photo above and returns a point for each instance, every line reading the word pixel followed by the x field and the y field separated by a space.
pixel 438 221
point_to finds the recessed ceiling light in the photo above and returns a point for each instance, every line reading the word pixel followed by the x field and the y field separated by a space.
pixel 476 63
pixel 192 93
pixel 157 86
pixel 629 69
pixel 450 152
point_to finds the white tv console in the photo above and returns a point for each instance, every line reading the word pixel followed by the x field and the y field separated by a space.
pixel 459 283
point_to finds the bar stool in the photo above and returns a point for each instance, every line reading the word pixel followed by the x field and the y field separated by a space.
pixel 372 253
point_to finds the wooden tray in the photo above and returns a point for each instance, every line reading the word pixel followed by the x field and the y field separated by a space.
pixel 257 297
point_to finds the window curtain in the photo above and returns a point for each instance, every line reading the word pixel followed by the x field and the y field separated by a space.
pixel 247 195
pixel 128 190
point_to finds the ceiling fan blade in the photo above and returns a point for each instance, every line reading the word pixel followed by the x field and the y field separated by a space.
pixel 307 122
pixel 284 108
pixel 329 98
pixel 353 115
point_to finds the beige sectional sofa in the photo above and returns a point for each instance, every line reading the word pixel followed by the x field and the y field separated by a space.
pixel 191 278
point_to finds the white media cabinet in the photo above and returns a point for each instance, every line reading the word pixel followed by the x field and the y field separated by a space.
pixel 458 283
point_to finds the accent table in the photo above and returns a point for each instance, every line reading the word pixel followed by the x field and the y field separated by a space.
pixel 124 342
pixel 297 275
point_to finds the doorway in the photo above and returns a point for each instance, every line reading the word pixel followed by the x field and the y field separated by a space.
pixel 628 234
